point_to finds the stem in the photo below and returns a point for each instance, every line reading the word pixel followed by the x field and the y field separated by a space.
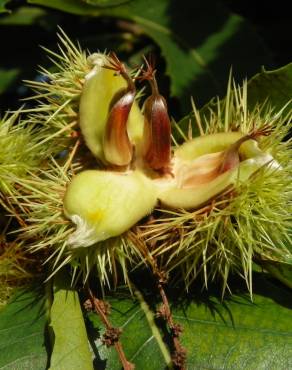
pixel 179 355
pixel 111 332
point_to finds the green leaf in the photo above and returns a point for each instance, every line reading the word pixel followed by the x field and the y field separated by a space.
pixel 239 334
pixel 276 86
pixel 23 16
pixel 3 8
pixel 199 45
pixel 140 338
pixel 281 271
pixel 199 53
pixel 22 329
pixel 7 78
pixel 70 6
pixel 70 349
pixel 233 334
pixel 106 3
pixel 80 7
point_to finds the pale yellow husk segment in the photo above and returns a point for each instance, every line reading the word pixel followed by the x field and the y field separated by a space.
pixel 100 87
pixel 191 155
pixel 105 204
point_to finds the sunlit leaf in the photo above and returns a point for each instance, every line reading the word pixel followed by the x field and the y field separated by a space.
pixel 141 339
pixel 70 345
pixel 233 334
pixel 105 3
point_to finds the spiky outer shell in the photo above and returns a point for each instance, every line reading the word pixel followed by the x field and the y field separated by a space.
pixel 16 157
pixel 104 204
pixel 100 87
pixel 220 236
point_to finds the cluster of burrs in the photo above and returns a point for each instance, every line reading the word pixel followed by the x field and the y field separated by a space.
pixel 196 206
pixel 182 177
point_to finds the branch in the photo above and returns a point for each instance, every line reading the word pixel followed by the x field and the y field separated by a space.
pixel 112 335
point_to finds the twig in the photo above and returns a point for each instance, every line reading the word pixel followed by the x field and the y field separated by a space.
pixel 111 336
pixel 180 354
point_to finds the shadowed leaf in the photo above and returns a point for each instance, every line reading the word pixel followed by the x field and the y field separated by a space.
pixel 22 329
pixel 3 8
pixel 276 86
pixel 199 46
pixel 23 16
pixel 7 78
pixel 273 87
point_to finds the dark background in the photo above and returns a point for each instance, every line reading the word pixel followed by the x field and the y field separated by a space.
pixel 271 21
